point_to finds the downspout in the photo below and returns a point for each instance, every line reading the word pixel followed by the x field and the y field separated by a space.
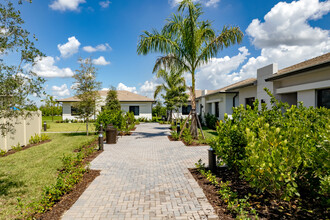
pixel 236 94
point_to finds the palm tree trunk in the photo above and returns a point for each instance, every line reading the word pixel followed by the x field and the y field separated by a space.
pixel 193 128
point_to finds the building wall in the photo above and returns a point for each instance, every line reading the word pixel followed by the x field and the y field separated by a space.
pixel 247 92
pixel 262 74
pixel 24 129
pixel 145 109
pixel 308 97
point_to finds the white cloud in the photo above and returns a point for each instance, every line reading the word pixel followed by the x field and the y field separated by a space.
pixel 61 91
pixel 100 61
pixel 70 48
pixel 207 3
pixel 45 68
pixel 217 72
pixel 122 86
pixel 105 4
pixel 148 88
pixel 100 47
pixel 66 5
pixel 287 24
pixel 286 37
pixel 212 3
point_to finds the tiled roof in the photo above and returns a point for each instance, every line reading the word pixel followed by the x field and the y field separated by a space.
pixel 123 96
pixel 323 59
pixel 240 84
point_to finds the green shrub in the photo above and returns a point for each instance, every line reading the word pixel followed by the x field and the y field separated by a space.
pixel 18 147
pixel 175 135
pixel 35 139
pixel 38 138
pixel 211 121
pixel 113 117
pixel 283 150
pixel 186 136
pixel 2 152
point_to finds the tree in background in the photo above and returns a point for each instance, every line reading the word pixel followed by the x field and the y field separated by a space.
pixel 175 89
pixel 187 43
pixel 86 89
pixel 17 84
pixel 51 104
pixel 111 101
pixel 158 110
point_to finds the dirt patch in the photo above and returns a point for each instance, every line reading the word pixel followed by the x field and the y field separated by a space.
pixel 24 148
pixel 193 144
pixel 267 207
pixel 69 199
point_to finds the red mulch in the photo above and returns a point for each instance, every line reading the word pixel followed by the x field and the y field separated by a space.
pixel 193 144
pixel 11 151
pixel 267 207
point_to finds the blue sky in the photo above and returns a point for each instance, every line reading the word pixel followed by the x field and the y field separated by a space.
pixel 285 32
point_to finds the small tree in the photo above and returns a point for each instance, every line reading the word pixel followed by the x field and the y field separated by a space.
pixel 51 103
pixel 17 84
pixel 86 89
pixel 111 101
pixel 175 89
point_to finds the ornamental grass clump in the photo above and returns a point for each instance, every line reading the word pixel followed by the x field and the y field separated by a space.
pixel 283 150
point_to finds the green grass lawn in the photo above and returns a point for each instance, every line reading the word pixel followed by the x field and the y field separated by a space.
pixel 65 127
pixel 209 133
pixel 25 173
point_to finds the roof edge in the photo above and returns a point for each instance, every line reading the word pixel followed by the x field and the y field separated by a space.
pixel 295 72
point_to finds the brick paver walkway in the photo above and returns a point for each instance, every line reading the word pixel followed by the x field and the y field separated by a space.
pixel 145 176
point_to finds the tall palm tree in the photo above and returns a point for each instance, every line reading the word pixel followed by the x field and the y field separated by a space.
pixel 187 43
pixel 175 89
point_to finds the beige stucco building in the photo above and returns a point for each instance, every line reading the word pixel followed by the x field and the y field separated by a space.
pixel 140 105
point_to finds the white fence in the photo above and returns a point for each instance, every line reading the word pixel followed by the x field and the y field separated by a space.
pixel 25 128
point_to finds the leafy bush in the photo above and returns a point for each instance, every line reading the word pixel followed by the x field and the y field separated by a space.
pixel 18 147
pixel 2 152
pixel 110 117
pixel 186 136
pixel 210 120
pixel 175 135
pixel 38 138
pixel 283 150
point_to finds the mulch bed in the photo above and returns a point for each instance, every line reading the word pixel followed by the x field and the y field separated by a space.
pixel 194 144
pixel 69 199
pixel 11 151
pixel 266 206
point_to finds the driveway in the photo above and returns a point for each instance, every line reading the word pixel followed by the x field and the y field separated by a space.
pixel 145 176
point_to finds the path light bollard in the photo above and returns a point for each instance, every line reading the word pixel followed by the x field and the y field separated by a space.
pixel 45 126
pixel 174 121
pixel 212 160
pixel 187 124
pixel 101 138
pixel 178 129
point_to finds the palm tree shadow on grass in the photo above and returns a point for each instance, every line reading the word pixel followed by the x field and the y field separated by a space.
pixel 9 186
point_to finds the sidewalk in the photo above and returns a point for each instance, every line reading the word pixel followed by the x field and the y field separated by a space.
pixel 145 176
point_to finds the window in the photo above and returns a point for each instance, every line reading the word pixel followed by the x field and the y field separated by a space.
pixel 186 110
pixel 135 110
pixel 323 98
pixel 217 109
pixel 250 101
pixel 74 111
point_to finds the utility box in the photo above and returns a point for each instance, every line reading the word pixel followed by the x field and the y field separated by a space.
pixel 111 134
